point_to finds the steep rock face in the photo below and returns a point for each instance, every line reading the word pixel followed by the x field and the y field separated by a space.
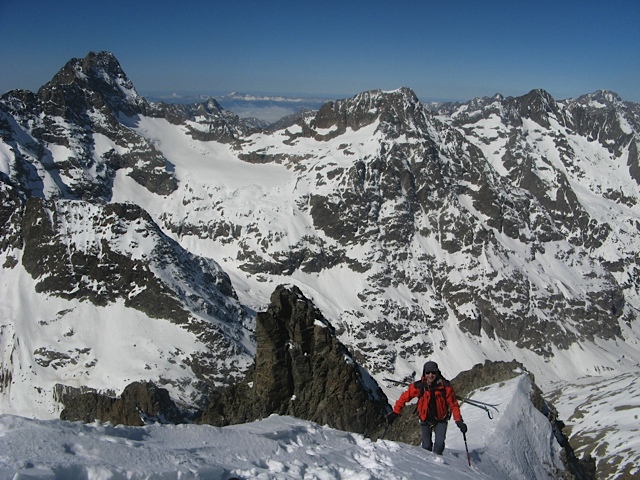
pixel 115 260
pixel 534 141
pixel 604 117
pixel 398 112
pixel 11 207
pixel 301 369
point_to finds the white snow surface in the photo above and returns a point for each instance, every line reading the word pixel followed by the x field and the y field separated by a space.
pixel 278 447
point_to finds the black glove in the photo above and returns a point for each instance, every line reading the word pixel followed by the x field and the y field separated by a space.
pixel 391 417
pixel 462 426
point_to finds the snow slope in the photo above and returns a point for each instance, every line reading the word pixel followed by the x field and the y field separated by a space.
pixel 603 419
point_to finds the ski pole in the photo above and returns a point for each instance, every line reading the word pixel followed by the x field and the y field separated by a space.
pixel 384 432
pixel 478 402
pixel 386 427
pixel 482 405
pixel 464 435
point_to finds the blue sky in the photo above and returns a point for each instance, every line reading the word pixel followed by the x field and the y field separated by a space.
pixel 443 50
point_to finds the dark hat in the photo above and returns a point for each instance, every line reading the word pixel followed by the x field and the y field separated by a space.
pixel 430 367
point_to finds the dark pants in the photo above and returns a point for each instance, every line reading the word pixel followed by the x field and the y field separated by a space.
pixel 440 430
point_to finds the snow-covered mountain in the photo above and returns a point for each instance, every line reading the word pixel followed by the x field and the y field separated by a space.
pixel 139 238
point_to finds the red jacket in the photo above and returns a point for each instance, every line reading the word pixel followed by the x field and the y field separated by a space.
pixel 446 402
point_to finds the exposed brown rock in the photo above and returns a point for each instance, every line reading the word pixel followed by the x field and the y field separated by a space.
pixel 139 401
pixel 302 370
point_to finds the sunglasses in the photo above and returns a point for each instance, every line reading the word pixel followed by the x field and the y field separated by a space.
pixel 430 373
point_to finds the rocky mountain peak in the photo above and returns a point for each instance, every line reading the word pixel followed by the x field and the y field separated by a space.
pixel 83 99
pixel 96 81
pixel 536 105
pixel 139 403
pixel 102 64
pixel 392 108
pixel 604 117
pixel 484 102
pixel 600 99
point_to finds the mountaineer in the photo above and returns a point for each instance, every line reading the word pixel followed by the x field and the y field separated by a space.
pixel 436 404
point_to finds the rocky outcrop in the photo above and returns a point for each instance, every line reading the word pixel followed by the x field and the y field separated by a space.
pixel 140 403
pixel 484 374
pixel 11 208
pixel 302 370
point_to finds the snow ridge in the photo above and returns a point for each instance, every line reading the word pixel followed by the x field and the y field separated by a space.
pixel 280 447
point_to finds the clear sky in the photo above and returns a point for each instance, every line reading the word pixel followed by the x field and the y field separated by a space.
pixel 443 50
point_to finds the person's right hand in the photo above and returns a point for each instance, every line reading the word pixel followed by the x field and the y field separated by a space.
pixel 391 417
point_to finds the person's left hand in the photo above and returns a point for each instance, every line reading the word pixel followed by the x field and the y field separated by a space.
pixel 462 426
